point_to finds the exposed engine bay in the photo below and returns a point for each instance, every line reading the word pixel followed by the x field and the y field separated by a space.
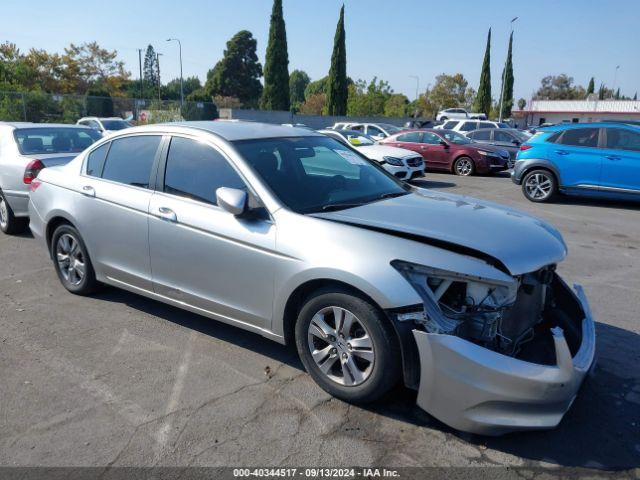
pixel 505 318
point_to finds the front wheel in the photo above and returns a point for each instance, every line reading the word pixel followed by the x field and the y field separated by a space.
pixel 539 186
pixel 72 262
pixel 9 224
pixel 464 167
pixel 347 346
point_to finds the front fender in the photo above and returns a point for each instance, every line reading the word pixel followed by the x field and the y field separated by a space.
pixel 522 166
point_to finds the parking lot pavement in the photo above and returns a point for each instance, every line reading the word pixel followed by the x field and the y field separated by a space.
pixel 116 379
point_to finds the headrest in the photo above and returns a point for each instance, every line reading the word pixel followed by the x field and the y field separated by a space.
pixel 32 144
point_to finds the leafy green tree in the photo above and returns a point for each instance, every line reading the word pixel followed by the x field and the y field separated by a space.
pixel 171 90
pixel 451 91
pixel 507 77
pixel 338 88
pixel 482 102
pixel 591 87
pixel 521 104
pixel 315 104
pixel 368 99
pixel 396 105
pixel 298 81
pixel 635 97
pixel 617 96
pixel 559 87
pixel 238 73
pixel 199 106
pixel 99 102
pixel 317 86
pixel 275 95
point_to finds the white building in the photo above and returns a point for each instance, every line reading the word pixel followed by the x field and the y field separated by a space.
pixel 577 111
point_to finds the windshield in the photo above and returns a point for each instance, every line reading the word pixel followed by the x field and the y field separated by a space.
pixel 54 140
pixel 503 125
pixel 115 124
pixel 391 129
pixel 522 136
pixel 358 139
pixel 315 174
pixel 455 137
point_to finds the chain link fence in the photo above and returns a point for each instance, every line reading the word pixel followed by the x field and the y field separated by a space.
pixel 40 107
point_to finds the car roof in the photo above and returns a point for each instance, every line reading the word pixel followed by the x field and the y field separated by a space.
pixel 49 125
pixel 232 131
pixel 567 126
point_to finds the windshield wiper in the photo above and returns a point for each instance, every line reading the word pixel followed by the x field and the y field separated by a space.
pixel 392 195
pixel 339 206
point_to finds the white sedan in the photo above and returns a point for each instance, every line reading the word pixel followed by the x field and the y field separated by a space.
pixel 400 162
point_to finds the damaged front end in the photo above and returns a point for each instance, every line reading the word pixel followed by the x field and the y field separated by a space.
pixel 497 355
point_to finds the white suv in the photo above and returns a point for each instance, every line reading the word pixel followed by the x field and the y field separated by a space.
pixel 463 126
pixel 106 126
pixel 377 131
pixel 458 113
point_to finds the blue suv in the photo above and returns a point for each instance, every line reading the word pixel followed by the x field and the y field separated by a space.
pixel 594 159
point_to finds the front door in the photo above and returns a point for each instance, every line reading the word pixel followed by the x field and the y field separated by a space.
pixel 578 158
pixel 621 162
pixel 434 151
pixel 112 212
pixel 202 255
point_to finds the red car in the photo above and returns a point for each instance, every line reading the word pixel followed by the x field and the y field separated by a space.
pixel 450 151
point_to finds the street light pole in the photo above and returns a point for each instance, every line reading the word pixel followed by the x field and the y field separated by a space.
pixel 180 50
pixel 504 73
pixel 159 82
pixel 415 110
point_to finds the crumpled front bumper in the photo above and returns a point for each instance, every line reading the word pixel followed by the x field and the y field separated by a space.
pixel 476 390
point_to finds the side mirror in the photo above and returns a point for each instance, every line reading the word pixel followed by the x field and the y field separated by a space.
pixel 232 200
pixel 444 144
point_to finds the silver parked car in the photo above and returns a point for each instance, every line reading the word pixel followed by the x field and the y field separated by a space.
pixel 25 149
pixel 285 232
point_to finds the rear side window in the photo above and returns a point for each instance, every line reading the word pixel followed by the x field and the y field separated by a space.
pixel 481 135
pixel 486 125
pixel 502 136
pixel 130 160
pixel 579 137
pixel 196 170
pixel 621 139
pixel 412 137
pixel 449 125
pixel 95 160
pixel 468 126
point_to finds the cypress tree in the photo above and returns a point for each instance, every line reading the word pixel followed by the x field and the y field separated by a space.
pixel 592 87
pixel 482 103
pixel 635 97
pixel 338 88
pixel 275 95
pixel 507 77
pixel 617 97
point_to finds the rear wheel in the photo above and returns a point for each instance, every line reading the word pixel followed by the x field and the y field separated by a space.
pixel 464 167
pixel 72 262
pixel 9 224
pixel 539 186
pixel 347 346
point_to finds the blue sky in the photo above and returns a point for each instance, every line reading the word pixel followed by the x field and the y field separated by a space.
pixel 388 39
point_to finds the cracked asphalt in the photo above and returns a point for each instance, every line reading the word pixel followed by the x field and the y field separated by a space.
pixel 120 380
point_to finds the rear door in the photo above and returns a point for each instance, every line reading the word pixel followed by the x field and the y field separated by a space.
pixel 114 206
pixel 576 154
pixel 621 160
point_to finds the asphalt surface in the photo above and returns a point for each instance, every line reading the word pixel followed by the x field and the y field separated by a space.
pixel 117 379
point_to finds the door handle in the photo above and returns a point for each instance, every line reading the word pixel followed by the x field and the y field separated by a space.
pixel 562 152
pixel 614 157
pixel 167 214
pixel 88 191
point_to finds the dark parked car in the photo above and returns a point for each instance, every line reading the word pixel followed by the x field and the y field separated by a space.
pixel 509 139
pixel 451 151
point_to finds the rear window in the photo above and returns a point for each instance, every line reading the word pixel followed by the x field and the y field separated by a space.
pixel 54 140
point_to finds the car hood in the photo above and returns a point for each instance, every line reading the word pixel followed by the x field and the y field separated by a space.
pixel 379 151
pixel 519 242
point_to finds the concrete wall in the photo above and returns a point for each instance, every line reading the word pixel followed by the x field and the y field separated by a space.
pixel 313 121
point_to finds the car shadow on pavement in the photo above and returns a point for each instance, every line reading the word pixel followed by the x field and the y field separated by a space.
pixel 428 183
pixel 601 430
pixel 597 202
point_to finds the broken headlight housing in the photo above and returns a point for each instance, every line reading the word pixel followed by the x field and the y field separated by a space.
pixel 459 304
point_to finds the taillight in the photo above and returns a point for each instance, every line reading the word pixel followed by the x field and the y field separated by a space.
pixel 35 183
pixel 525 147
pixel 32 171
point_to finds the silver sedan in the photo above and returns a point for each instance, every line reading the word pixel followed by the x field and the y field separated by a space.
pixel 287 233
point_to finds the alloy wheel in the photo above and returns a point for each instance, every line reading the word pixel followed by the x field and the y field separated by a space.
pixel 464 167
pixel 4 213
pixel 70 259
pixel 539 186
pixel 341 346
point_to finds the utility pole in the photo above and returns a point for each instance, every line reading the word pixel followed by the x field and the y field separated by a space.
pixel 158 67
pixel 504 73
pixel 140 62
pixel 181 87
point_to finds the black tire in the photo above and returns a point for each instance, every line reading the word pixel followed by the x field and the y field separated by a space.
pixel 464 166
pixel 9 224
pixel 384 371
pixel 71 281
pixel 540 186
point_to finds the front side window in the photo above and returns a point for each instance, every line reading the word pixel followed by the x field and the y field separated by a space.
pixel 47 140
pixel 115 124
pixel 481 135
pixel 411 137
pixel 315 174
pixel 455 137
pixel 449 125
pixel 430 138
pixel 486 125
pixel 468 126
pixel 374 131
pixel 580 137
pixel 621 139
pixel 196 170
pixel 499 136
pixel 130 160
